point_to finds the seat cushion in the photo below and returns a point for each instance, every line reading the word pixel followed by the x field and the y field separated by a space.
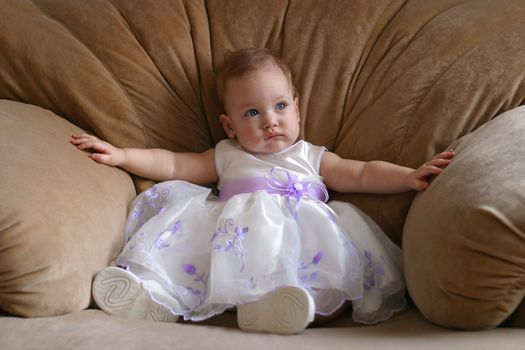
pixel 464 238
pixel 61 214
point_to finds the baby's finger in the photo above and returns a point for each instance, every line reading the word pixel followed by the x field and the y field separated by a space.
pixel 445 155
pixel 441 163
pixel 77 135
pixel 82 137
pixel 434 170
pixel 96 146
pixel 77 141
pixel 421 185
pixel 428 170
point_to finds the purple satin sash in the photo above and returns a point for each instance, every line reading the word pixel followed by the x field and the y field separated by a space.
pixel 273 184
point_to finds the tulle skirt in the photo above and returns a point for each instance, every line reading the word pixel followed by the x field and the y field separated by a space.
pixel 211 255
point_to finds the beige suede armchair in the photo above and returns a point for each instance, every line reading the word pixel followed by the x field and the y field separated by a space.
pixel 396 80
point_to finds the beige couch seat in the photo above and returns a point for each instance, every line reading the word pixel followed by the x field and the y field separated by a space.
pixel 93 329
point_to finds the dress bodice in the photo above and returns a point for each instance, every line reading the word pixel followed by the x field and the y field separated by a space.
pixel 302 159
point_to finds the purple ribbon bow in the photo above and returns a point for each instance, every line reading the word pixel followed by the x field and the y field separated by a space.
pixel 294 188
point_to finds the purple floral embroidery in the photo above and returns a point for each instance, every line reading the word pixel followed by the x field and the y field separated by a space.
pixel 176 228
pixel 252 283
pixel 137 243
pixel 160 242
pixel 305 276
pixel 155 199
pixel 136 213
pixel 200 294
pixel 318 257
pixel 152 199
pixel 374 270
pixel 234 244
pixel 189 269
pixel 162 239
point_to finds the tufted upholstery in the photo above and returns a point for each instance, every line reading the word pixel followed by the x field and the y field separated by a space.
pixel 142 73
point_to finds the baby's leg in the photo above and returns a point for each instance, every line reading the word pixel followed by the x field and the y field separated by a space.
pixel 320 319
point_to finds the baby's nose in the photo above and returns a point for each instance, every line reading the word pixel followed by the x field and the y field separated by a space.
pixel 270 120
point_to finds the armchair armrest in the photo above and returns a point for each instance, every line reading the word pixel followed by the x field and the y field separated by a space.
pixel 62 215
pixel 464 238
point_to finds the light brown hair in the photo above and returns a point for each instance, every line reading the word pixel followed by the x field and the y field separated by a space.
pixel 237 63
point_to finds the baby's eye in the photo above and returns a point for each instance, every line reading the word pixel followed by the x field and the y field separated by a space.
pixel 252 113
pixel 281 106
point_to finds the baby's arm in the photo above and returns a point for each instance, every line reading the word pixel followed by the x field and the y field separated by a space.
pixel 155 164
pixel 346 175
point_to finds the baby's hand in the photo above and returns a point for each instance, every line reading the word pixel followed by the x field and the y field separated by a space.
pixel 98 150
pixel 418 179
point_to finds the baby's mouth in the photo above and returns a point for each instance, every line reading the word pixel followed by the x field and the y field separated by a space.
pixel 272 136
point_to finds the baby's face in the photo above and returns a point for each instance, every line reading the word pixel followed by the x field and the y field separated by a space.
pixel 261 111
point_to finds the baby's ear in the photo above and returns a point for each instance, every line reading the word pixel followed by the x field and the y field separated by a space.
pixel 296 101
pixel 227 124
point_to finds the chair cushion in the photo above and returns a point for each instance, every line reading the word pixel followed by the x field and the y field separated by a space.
pixel 61 214
pixel 464 238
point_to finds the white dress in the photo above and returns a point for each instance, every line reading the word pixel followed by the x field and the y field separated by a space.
pixel 269 228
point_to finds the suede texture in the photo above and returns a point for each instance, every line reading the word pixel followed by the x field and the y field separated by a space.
pixel 61 215
pixel 464 238
pixel 95 330
pixel 372 85
pixel 395 80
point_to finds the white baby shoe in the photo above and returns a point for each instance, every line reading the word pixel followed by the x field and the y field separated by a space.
pixel 119 292
pixel 287 310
